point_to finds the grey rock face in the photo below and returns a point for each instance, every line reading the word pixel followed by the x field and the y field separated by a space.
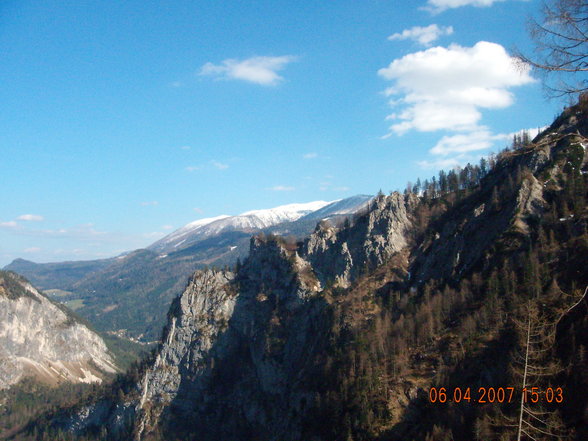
pixel 196 320
pixel 236 359
pixel 232 355
pixel 38 339
pixel 340 255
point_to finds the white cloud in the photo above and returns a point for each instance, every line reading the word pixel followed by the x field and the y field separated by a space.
pixel 281 188
pixel 193 168
pixel 437 6
pixel 32 250
pixel 149 203
pixel 258 70
pixel 9 224
pixel 461 148
pixel 310 155
pixel 219 165
pixel 185 147
pixel 444 88
pixel 422 35
pixel 30 217
pixel 439 164
pixel 465 142
pixel 198 210
pixel 168 227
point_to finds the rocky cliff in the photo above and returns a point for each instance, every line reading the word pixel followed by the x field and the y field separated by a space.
pixel 39 339
pixel 338 337
pixel 239 353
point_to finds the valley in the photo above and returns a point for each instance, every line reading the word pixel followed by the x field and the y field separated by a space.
pixel 342 335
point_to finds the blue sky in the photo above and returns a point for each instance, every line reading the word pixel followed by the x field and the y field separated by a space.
pixel 122 121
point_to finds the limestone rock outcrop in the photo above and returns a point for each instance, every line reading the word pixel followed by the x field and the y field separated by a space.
pixel 40 339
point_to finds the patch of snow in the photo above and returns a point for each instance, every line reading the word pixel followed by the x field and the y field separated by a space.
pixel 205 221
pixel 289 210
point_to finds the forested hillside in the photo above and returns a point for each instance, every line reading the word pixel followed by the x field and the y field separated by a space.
pixel 456 311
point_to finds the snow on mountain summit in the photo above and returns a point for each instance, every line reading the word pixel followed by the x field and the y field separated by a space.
pixel 248 221
pixel 284 213
pixel 202 222
pixel 179 236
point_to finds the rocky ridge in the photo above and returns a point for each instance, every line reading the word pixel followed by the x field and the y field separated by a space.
pixel 241 355
pixel 270 316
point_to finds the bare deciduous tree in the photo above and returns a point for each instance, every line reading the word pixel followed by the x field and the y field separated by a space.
pixel 561 46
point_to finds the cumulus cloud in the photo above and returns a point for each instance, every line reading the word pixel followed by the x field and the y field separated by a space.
pixel 310 155
pixel 423 35
pixel 258 70
pixel 465 143
pixel 30 217
pixel 281 188
pixel 445 88
pixel 437 6
pixel 461 148
pixel 9 224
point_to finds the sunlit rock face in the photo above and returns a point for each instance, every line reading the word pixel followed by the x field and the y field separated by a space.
pixel 242 355
pixel 39 339
pixel 339 255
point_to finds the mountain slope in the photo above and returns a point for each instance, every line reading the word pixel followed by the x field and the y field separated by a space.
pixel 129 295
pixel 60 275
pixel 247 222
pixel 342 336
pixel 42 340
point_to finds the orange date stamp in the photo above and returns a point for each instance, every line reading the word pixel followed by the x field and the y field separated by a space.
pixel 488 395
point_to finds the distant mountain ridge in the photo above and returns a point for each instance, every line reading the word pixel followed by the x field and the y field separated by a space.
pixel 249 221
pixel 129 294
pixel 345 335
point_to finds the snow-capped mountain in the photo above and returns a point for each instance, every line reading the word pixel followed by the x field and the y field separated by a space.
pixel 143 282
pixel 249 221
pixel 179 236
pixel 341 207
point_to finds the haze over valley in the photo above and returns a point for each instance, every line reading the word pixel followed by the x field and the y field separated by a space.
pixel 279 221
